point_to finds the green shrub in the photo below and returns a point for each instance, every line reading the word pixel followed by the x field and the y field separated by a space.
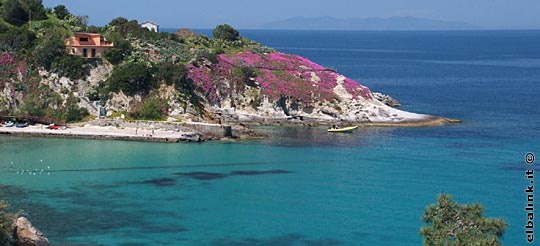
pixel 73 67
pixel 61 12
pixel 451 223
pixel 170 73
pixel 40 101
pixel 207 54
pixel 74 113
pixel 93 94
pixel 241 76
pixel 18 40
pixel 14 13
pixel 226 32
pixel 51 47
pixel 121 50
pixel 131 78
pixel 6 219
pixel 118 21
pixel 152 108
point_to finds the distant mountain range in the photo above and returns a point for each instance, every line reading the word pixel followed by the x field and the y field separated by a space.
pixel 392 23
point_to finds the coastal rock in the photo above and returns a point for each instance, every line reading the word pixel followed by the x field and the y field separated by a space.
pixel 386 99
pixel 25 234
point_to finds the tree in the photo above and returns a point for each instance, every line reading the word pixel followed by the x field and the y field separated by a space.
pixel 14 13
pixel 61 12
pixel 74 113
pixel 122 48
pixel 152 108
pixel 459 225
pixel 170 73
pixel 132 29
pixel 52 47
pixel 118 21
pixel 93 29
pixel 73 67
pixel 226 32
pixel 132 78
pixel 35 9
pixel 17 40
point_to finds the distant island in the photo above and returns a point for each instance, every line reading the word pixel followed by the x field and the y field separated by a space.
pixel 391 23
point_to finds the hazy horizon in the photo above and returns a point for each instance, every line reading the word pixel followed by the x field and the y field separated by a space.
pixel 243 14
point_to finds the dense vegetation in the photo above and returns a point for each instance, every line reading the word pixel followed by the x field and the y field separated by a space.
pixel 32 39
pixel 453 224
pixel 202 70
pixel 6 218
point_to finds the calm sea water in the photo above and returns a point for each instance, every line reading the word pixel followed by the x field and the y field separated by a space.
pixel 303 186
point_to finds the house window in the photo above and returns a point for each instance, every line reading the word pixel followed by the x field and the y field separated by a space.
pixel 93 53
pixel 83 39
pixel 85 53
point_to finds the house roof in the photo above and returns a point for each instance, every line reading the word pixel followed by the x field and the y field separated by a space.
pixel 149 22
pixel 86 34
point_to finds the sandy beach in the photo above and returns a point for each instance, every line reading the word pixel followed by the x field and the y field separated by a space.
pixel 106 132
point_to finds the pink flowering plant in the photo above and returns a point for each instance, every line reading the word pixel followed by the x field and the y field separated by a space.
pixel 278 74
pixel 10 68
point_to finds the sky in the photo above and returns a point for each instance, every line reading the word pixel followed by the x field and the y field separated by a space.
pixel 250 14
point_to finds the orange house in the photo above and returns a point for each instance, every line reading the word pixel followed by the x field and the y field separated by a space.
pixel 88 45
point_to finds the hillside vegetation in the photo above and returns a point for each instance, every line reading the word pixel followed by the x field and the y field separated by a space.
pixel 182 76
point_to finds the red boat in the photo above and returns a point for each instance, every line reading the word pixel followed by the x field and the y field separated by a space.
pixel 53 127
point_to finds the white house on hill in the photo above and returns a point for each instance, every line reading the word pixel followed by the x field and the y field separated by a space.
pixel 150 26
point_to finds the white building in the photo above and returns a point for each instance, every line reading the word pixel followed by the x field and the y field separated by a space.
pixel 150 26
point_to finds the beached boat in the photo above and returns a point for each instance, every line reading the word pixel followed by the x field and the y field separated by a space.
pixel 53 127
pixel 343 129
pixel 9 124
pixel 21 125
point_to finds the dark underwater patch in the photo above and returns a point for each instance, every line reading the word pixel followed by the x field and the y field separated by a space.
pixel 81 244
pixel 10 193
pixel 165 228
pixel 285 240
pixel 246 173
pixel 210 176
pixel 203 175
pixel 161 182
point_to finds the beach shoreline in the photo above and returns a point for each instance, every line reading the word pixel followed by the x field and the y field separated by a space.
pixel 169 132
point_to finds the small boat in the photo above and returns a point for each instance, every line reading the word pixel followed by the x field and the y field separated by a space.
pixel 343 129
pixel 53 127
pixel 9 124
pixel 22 125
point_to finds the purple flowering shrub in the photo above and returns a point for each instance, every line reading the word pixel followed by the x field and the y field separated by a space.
pixel 10 68
pixel 278 75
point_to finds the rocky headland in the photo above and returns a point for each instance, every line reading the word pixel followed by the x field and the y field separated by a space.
pixel 186 78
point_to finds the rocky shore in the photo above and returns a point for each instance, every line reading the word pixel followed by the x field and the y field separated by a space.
pixel 168 132
pixel 23 233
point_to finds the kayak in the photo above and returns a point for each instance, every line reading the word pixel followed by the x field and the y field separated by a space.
pixel 344 129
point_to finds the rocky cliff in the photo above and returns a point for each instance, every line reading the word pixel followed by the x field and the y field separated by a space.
pixel 278 88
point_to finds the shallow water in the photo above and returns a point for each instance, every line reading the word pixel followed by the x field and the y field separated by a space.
pixel 303 186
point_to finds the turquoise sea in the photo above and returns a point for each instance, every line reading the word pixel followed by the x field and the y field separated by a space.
pixel 303 186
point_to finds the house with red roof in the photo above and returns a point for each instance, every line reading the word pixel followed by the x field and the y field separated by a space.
pixel 88 45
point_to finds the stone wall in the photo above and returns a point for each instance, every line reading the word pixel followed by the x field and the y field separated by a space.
pixel 208 131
